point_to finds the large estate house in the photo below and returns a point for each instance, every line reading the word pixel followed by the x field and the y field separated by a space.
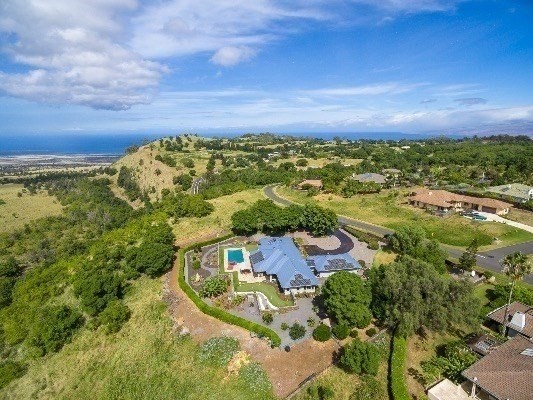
pixel 279 260
pixel 444 201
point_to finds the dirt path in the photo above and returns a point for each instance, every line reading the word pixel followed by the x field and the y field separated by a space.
pixel 285 370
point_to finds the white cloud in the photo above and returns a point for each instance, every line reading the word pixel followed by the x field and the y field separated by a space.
pixel 73 54
pixel 372 89
pixel 232 55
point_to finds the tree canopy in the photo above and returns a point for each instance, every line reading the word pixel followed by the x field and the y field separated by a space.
pixel 410 293
pixel 347 299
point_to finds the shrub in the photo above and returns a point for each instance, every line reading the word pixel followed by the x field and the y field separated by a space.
pixel 253 376
pixel 397 383
pixel 354 333
pixel 196 264
pixel 322 333
pixel 296 331
pixel 341 331
pixel 488 274
pixel 219 350
pixel 9 371
pixel 371 332
pixel 284 326
pixel 114 316
pixel 214 286
pixel 268 318
pixel 53 327
pixel 360 358
pixel 311 322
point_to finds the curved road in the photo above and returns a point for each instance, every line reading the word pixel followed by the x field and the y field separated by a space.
pixel 486 259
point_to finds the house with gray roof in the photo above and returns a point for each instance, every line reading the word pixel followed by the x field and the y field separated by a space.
pixel 370 177
pixel 326 265
pixel 279 260
pixel 516 191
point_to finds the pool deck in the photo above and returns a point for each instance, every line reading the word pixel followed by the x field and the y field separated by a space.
pixel 242 277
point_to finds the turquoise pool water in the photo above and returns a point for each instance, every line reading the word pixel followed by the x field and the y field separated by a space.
pixel 235 256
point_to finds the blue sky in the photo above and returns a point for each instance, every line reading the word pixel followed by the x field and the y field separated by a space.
pixel 119 66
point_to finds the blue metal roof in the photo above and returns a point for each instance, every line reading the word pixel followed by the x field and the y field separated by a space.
pixel 333 262
pixel 281 257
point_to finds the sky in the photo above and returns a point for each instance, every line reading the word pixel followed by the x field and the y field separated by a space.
pixel 299 66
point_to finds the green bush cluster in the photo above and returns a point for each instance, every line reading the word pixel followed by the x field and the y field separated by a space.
pixel 371 240
pixel 341 331
pixel 266 216
pixel 216 312
pixel 397 384
pixel 322 333
pixel 360 358
pixel 296 331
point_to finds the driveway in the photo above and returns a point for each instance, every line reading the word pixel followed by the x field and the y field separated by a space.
pixel 497 218
pixel 346 245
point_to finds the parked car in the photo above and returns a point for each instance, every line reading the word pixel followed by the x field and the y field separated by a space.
pixel 478 217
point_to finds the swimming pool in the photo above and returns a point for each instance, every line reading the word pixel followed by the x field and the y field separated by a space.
pixel 235 256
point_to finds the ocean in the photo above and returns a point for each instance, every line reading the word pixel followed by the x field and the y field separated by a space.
pixel 116 144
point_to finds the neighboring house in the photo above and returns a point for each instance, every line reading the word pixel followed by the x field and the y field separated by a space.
pixel 444 201
pixel 391 172
pixel 370 177
pixel 279 260
pixel 517 191
pixel 506 373
pixel 315 183
pixel 520 319
pixel 392 175
pixel 326 265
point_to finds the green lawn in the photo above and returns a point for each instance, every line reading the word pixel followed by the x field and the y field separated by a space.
pixel 390 210
pixel 268 290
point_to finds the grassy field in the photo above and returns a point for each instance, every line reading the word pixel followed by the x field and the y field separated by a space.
pixel 383 257
pixel 16 211
pixel 268 290
pixel 389 210
pixel 522 216
pixel 220 220
pixel 144 360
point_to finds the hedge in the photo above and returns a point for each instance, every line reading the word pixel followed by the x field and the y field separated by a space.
pixel 397 385
pixel 216 312
pixel 371 240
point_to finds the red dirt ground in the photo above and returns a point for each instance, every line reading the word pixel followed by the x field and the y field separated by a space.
pixel 285 370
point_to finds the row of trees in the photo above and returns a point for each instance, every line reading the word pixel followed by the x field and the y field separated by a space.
pixel 266 216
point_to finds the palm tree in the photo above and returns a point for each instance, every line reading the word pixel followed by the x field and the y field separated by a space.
pixel 515 266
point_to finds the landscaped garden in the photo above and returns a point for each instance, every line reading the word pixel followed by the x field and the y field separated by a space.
pixel 269 290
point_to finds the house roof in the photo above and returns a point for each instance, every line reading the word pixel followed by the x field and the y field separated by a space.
pixel 520 312
pixel 391 171
pixel 370 177
pixel 311 182
pixel 517 190
pixel 332 262
pixel 281 257
pixel 443 198
pixel 505 373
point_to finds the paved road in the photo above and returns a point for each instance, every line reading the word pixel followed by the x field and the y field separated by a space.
pixel 488 259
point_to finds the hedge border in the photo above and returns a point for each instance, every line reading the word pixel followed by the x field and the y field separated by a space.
pixel 397 385
pixel 216 312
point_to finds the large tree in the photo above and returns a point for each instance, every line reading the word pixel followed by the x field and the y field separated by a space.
pixel 347 299
pixel 467 261
pixel 410 293
pixel 515 266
